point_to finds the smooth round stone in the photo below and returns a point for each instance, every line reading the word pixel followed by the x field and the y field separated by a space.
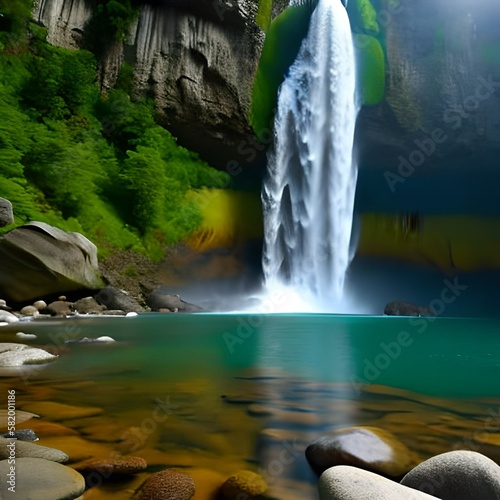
pixel 168 484
pixel 38 478
pixel 244 484
pixel 25 336
pixel 29 311
pixel 108 466
pixel 20 354
pixel 457 475
pixel 368 448
pixel 350 483
pixel 7 317
pixel 40 305
pixel 30 450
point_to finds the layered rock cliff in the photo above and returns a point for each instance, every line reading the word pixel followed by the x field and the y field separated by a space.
pixel 196 59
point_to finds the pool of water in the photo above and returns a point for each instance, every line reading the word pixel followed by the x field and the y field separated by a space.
pixel 216 393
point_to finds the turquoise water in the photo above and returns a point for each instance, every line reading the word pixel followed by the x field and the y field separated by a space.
pixel 242 388
pixel 451 357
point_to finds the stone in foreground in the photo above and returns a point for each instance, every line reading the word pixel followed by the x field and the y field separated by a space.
pixel 41 479
pixel 167 484
pixel 38 259
pixel 21 354
pixel 30 450
pixel 350 483
pixel 457 475
pixel 244 484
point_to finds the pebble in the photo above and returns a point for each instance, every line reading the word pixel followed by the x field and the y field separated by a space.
pixel 457 475
pixel 168 484
pixel 30 450
pixel 7 317
pixel 25 336
pixel 350 483
pixel 12 354
pixel 22 435
pixel 40 305
pixel 39 478
pixel 244 484
pixel 368 448
pixel 108 466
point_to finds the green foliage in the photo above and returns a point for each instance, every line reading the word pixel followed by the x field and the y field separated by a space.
pixel 111 22
pixel 99 165
pixel 370 69
pixel 281 46
pixel 15 15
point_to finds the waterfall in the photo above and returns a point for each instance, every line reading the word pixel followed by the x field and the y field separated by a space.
pixel 308 195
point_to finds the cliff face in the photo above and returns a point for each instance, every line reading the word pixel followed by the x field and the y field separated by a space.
pixel 197 60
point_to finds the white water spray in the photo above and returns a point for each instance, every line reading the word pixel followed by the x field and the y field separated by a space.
pixel 308 195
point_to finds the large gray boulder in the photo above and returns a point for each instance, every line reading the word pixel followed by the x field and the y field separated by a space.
pixel 349 483
pixel 38 259
pixel 6 213
pixel 457 475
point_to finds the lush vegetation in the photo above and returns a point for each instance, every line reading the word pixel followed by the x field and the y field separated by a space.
pixel 97 164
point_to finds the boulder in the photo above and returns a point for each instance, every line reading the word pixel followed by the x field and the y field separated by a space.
pixel 38 259
pixel 60 308
pixel 349 483
pixel 7 317
pixel 117 300
pixel 88 305
pixel 164 302
pixel 457 475
pixel 12 354
pixel 39 478
pixel 396 308
pixel 368 448
pixel 6 213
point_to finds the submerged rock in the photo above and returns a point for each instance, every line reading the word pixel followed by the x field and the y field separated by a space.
pixel 244 484
pixel 457 475
pixel 397 308
pixel 368 448
pixel 350 483
pixel 20 354
pixel 38 259
pixel 168 484
pixel 39 478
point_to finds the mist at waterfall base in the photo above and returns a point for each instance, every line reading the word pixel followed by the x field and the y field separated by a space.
pixel 308 194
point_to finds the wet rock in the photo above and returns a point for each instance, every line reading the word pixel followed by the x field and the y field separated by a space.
pixel 350 483
pixel 114 299
pixel 47 429
pixel 59 411
pixel 457 475
pixel 368 448
pixel 397 308
pixel 159 300
pixel 60 308
pixel 30 450
pixel 39 260
pixel 7 317
pixel 6 212
pixel 110 465
pixel 38 478
pixel 29 311
pixel 244 484
pixel 88 305
pixel 20 354
pixel 28 435
pixel 168 484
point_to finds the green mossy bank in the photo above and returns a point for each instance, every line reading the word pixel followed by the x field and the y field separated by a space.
pixel 86 162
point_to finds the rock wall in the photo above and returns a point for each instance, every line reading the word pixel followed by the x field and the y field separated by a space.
pixel 197 59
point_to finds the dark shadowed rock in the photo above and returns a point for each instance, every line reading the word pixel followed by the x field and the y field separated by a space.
pixel 6 213
pixel 38 259
pixel 60 308
pixel 244 484
pixel 159 300
pixel 115 299
pixel 88 305
pixel 368 448
pixel 397 308
pixel 457 475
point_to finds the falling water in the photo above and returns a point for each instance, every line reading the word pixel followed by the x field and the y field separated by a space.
pixel 308 195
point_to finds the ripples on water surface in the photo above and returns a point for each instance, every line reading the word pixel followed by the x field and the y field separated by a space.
pixel 217 393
